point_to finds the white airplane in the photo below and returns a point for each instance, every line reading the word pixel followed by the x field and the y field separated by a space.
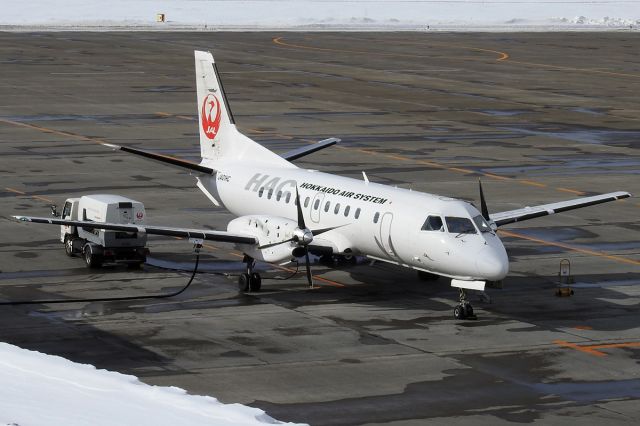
pixel 285 211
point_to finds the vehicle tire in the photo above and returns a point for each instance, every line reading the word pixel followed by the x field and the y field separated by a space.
pixel 458 312
pixel 135 265
pixel 68 245
pixel 92 260
pixel 256 282
pixel 244 282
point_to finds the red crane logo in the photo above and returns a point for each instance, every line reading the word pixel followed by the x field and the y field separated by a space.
pixel 210 116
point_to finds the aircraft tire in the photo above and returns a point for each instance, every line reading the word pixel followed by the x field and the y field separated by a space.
pixel 459 312
pixel 256 282
pixel 468 311
pixel 244 282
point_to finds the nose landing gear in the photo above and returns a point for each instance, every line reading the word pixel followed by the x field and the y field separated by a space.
pixel 464 310
pixel 249 281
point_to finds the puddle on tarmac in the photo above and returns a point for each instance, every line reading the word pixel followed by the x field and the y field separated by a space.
pixel 37 274
pixel 591 391
pixel 503 112
pixel 591 111
pixel 604 284
pixel 103 119
pixel 628 138
pixel 569 165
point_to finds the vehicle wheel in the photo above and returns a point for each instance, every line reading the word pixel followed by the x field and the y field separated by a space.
pixel 135 265
pixel 458 312
pixel 256 282
pixel 244 282
pixel 92 261
pixel 68 245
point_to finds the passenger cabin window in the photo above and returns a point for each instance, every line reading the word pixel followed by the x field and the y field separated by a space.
pixel 482 224
pixel 433 223
pixel 460 225
pixel 337 209
pixel 270 194
pixel 279 196
pixel 357 215
pixel 288 198
pixel 306 202
pixel 316 205
pixel 376 217
pixel 346 211
pixel 326 206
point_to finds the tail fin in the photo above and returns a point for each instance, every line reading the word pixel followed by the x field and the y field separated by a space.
pixel 219 138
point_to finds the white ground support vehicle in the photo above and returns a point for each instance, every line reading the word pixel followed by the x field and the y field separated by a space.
pixel 99 246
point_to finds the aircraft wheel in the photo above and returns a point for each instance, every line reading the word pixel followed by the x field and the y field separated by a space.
pixel 255 282
pixel 244 282
pixel 68 245
pixel 459 312
pixel 468 311
pixel 92 260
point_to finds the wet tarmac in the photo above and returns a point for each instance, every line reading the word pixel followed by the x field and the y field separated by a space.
pixel 531 114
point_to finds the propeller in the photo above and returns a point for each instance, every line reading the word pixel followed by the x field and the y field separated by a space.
pixel 483 204
pixel 304 241
pixel 302 236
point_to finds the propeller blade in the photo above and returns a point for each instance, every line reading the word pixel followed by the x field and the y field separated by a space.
pixel 301 224
pixel 275 244
pixel 483 203
pixel 323 230
pixel 308 265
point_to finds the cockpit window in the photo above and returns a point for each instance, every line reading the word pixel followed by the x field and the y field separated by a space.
pixel 482 224
pixel 433 223
pixel 460 225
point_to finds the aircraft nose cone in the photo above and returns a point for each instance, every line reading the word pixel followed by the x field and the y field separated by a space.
pixel 492 264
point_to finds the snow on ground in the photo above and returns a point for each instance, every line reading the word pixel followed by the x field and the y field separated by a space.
pixel 321 14
pixel 38 389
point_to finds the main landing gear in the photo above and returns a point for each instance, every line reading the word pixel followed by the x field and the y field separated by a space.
pixel 464 310
pixel 249 281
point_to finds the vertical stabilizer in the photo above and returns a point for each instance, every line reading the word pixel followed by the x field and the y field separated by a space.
pixel 219 138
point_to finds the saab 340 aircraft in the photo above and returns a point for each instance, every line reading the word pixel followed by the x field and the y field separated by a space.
pixel 285 211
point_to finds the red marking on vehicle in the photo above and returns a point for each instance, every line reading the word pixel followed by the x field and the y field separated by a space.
pixel 139 215
pixel 210 116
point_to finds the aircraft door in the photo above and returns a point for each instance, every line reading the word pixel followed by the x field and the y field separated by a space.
pixel 385 234
pixel 316 207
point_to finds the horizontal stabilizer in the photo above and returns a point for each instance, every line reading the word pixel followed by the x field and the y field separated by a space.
pixel 200 234
pixel 527 213
pixel 294 154
pixel 176 162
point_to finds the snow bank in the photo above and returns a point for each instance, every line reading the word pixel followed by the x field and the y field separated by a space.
pixel 38 389
pixel 322 14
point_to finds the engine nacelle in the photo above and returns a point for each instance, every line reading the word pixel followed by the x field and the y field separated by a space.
pixel 267 230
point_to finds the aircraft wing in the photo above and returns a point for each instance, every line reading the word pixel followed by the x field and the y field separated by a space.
pixel 294 154
pixel 203 234
pixel 173 161
pixel 527 213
